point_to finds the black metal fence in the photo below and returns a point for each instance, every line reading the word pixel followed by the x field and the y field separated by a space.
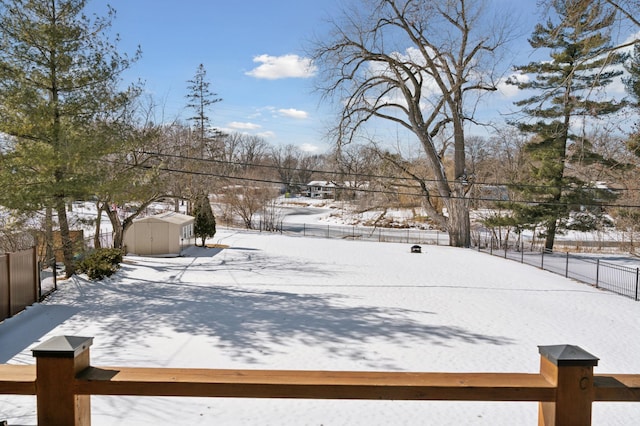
pixel 592 270
pixel 353 232
pixel 608 275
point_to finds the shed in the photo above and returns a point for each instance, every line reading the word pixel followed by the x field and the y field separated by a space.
pixel 164 234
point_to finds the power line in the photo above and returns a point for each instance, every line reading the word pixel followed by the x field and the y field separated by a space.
pixel 362 175
pixel 381 191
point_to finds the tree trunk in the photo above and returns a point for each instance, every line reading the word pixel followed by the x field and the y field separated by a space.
pixel 116 224
pixel 459 225
pixel 50 254
pixel 96 237
pixel 65 237
pixel 551 235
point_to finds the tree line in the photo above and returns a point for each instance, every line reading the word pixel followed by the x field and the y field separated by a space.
pixel 563 161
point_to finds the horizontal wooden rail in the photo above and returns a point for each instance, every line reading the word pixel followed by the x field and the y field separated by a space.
pixel 63 381
pixel 315 384
pixel 617 387
pixel 17 379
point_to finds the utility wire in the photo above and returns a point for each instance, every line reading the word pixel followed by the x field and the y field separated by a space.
pixel 378 191
pixel 359 175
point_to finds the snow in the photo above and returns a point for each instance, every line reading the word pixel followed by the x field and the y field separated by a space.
pixel 272 301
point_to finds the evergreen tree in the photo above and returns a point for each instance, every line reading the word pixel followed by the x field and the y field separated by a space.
pixel 205 222
pixel 200 98
pixel 59 78
pixel 632 84
pixel 567 86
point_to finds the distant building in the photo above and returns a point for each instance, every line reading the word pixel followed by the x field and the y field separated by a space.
pixel 325 189
pixel 321 189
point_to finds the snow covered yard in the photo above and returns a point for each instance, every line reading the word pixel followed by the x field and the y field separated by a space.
pixel 280 302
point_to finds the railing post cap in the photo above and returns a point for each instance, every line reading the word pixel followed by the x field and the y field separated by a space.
pixel 62 347
pixel 568 355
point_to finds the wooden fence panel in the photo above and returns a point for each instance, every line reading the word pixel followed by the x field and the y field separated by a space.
pixel 24 286
pixel 5 294
pixel 18 282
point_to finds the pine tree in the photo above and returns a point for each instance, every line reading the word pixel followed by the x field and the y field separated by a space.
pixel 200 98
pixel 581 64
pixel 59 78
pixel 632 84
pixel 205 222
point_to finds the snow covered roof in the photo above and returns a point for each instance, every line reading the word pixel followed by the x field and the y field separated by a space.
pixel 169 217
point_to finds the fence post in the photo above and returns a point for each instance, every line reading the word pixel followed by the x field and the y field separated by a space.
pixel 58 361
pixel 637 279
pixel 566 269
pixel 597 272
pixel 542 259
pixel 570 369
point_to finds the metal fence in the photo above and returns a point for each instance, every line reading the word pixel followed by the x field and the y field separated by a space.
pixel 615 277
pixel 352 232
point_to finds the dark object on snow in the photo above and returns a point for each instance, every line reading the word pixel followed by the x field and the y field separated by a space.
pixel 416 249
pixel 4 423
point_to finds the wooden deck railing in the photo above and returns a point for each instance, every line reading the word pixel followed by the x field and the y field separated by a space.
pixel 63 381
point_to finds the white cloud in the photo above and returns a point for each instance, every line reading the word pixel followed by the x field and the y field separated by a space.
pixel 286 66
pixel 307 147
pixel 510 90
pixel 243 126
pixel 267 135
pixel 293 113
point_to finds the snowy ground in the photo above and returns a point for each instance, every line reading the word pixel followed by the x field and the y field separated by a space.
pixel 282 302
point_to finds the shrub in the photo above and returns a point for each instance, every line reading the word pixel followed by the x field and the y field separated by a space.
pixel 101 263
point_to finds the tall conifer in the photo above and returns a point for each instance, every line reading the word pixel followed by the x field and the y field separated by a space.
pixel 59 78
pixel 567 92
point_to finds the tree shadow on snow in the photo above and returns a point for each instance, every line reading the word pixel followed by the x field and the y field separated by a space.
pixel 27 328
pixel 251 323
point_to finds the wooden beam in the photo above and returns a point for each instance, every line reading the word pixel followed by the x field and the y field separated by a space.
pixel 315 384
pixel 617 387
pixel 17 379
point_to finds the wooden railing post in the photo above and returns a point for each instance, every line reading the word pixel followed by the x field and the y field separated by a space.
pixel 570 369
pixel 58 360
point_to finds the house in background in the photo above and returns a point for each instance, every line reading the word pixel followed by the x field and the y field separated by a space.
pixel 330 190
pixel 321 189
pixel 164 234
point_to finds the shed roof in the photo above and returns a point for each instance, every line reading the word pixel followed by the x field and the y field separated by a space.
pixel 169 217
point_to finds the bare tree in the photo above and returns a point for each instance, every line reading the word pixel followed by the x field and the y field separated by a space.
pixel 415 64
pixel 286 160
pixel 248 200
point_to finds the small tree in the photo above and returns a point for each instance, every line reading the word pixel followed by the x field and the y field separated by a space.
pixel 205 221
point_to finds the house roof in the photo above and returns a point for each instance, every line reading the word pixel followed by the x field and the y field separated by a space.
pixel 169 217
pixel 323 183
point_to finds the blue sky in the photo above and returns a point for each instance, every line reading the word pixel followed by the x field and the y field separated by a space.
pixel 254 55
pixel 253 52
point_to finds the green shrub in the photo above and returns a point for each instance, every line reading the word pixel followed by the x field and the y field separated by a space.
pixel 101 263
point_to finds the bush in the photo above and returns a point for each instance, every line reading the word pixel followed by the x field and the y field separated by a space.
pixel 101 263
